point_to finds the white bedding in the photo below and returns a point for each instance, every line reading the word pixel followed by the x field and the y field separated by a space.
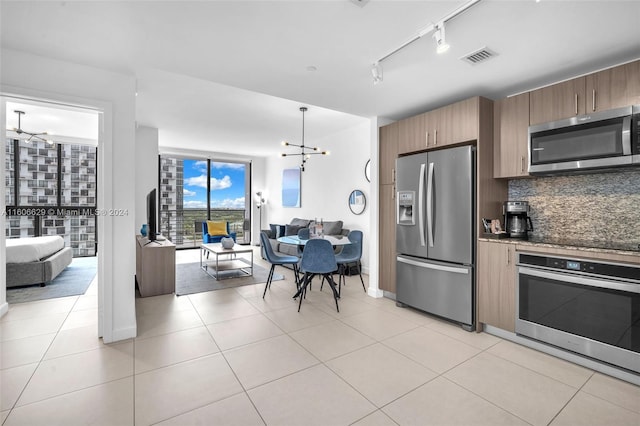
pixel 23 250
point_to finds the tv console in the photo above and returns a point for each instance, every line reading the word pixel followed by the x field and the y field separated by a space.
pixel 155 266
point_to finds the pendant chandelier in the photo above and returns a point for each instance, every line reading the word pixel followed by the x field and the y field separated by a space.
pixel 31 136
pixel 305 151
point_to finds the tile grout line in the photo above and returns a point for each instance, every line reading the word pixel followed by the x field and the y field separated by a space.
pixel 41 359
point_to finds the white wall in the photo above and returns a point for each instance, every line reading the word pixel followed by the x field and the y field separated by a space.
pixel 326 183
pixel 114 94
pixel 147 176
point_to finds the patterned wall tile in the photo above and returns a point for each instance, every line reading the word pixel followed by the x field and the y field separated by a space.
pixel 603 207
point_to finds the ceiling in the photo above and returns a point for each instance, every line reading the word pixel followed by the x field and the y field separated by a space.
pixel 230 76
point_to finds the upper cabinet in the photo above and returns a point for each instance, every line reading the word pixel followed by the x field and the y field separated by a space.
pixel 559 101
pixel 411 134
pixel 510 137
pixel 613 88
pixel 448 125
pixel 458 122
pixel 388 153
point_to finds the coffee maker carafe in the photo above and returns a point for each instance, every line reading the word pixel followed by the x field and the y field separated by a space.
pixel 517 222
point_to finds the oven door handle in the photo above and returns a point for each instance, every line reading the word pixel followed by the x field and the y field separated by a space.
pixel 580 280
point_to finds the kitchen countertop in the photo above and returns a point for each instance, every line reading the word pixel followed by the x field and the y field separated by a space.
pixel 593 247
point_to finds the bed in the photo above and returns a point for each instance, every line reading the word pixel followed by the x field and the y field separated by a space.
pixel 36 260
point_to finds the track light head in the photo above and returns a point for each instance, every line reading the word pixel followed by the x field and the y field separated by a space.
pixel 439 36
pixel 376 72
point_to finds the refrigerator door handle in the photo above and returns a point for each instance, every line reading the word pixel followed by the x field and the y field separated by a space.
pixel 435 266
pixel 430 205
pixel 420 206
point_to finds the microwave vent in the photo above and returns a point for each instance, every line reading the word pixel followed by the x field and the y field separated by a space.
pixel 481 55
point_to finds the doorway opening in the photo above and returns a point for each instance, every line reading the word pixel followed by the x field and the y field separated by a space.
pixel 51 192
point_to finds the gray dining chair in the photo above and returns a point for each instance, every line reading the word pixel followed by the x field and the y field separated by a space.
pixel 318 258
pixel 350 255
pixel 276 259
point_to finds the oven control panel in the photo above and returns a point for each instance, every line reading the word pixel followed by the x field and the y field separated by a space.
pixel 578 265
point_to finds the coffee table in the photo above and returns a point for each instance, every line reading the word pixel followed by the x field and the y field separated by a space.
pixel 226 260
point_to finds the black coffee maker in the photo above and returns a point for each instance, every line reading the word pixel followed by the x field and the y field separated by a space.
pixel 517 222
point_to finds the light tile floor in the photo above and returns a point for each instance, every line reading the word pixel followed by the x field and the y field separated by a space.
pixel 231 358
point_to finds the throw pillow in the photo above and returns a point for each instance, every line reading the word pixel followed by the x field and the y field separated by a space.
pixel 216 228
pixel 332 228
pixel 277 231
pixel 302 223
pixel 292 230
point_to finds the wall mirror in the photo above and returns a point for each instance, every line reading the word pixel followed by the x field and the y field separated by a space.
pixel 367 171
pixel 357 201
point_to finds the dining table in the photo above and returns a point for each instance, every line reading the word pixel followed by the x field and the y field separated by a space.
pixel 335 240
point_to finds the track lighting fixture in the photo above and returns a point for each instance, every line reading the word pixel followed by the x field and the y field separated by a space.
pixel 441 43
pixel 376 72
pixel 304 150
pixel 32 136
pixel 438 35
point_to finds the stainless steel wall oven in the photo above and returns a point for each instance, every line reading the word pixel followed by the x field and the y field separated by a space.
pixel 585 306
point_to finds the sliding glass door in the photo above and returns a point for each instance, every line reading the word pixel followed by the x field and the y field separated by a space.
pixel 194 190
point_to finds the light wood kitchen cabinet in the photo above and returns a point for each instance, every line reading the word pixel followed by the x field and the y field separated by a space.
pixel 411 134
pixel 510 137
pixel 458 122
pixel 496 285
pixel 451 124
pixel 387 242
pixel 388 141
pixel 613 88
pixel 557 102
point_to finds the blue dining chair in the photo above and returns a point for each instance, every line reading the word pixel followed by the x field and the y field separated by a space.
pixel 276 259
pixel 318 258
pixel 350 255
pixel 303 233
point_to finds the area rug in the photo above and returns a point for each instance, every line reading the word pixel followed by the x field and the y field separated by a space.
pixel 72 281
pixel 191 279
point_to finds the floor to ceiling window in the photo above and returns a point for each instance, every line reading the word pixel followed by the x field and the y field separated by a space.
pixel 44 180
pixel 193 190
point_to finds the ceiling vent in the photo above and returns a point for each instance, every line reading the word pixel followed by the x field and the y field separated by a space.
pixel 481 55
pixel 360 3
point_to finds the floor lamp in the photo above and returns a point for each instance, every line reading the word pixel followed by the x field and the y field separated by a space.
pixel 260 201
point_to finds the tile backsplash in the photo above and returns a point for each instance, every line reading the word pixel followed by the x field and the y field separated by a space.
pixel 603 207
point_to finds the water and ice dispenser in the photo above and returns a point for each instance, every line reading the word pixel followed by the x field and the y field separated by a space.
pixel 406 204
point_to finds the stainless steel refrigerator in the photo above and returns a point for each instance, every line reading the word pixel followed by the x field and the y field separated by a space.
pixel 435 229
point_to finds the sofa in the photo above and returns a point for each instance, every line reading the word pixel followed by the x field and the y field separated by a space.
pixel 292 228
pixel 36 260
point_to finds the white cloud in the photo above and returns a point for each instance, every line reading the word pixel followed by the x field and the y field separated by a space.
pixel 223 183
pixel 187 193
pixel 228 203
pixel 200 165
pixel 194 204
pixel 237 166
pixel 201 181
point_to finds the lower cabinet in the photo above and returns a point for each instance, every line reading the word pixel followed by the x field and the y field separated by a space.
pixel 496 284
pixel 387 235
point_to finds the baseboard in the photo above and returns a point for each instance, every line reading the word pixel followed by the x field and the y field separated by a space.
pixel 374 292
pixel 4 308
pixel 122 334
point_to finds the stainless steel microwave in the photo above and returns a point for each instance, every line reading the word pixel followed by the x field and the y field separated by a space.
pixel 598 141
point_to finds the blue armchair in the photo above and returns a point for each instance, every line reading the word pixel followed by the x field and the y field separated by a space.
pixel 208 239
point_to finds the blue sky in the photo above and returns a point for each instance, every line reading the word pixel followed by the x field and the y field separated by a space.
pixel 227 185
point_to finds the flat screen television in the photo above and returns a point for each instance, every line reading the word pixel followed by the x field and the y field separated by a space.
pixel 152 228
